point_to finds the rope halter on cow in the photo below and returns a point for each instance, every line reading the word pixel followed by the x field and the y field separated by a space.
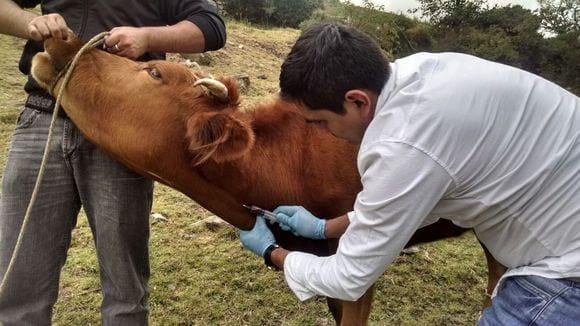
pixel 94 42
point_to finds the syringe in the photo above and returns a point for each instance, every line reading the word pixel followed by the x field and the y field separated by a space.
pixel 258 211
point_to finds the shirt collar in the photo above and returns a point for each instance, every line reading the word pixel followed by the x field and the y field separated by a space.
pixel 388 89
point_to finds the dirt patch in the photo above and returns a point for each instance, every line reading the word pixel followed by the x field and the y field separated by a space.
pixel 258 53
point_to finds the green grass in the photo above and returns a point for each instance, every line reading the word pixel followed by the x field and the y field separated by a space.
pixel 204 277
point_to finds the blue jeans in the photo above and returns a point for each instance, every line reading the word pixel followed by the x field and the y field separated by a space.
pixel 117 203
pixel 534 300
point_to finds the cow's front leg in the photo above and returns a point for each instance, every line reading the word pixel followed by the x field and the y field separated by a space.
pixel 356 313
pixel 494 272
pixel 335 307
pixel 349 312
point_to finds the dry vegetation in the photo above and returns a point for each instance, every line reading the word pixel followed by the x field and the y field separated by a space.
pixel 203 277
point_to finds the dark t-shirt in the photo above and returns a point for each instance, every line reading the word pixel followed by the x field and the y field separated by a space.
pixel 88 18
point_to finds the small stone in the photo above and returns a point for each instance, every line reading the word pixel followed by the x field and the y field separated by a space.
pixel 427 257
pixel 243 82
pixel 158 217
pixel 240 46
pixel 172 287
pixel 188 236
pixel 213 223
pixel 190 64
pixel 203 59
pixel 411 250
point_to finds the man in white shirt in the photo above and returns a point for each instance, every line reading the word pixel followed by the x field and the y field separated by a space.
pixel 447 135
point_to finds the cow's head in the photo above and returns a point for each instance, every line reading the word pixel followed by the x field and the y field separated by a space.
pixel 115 74
pixel 110 90
pixel 154 116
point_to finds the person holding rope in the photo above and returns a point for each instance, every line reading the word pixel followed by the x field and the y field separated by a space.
pixel 446 135
pixel 116 200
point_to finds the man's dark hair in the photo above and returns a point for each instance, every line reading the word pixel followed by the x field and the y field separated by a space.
pixel 327 61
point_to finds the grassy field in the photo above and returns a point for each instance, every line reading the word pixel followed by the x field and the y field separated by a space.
pixel 202 276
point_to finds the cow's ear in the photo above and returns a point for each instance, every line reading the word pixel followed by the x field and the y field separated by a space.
pixel 218 136
pixel 62 51
pixel 233 90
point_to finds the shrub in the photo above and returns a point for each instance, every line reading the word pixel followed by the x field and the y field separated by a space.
pixel 289 13
pixel 396 34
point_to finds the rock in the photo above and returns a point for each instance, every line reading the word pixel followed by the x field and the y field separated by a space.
pixel 411 250
pixel 190 64
pixel 427 257
pixel 203 59
pixel 172 287
pixel 213 223
pixel 157 217
pixel 243 82
pixel 214 4
pixel 188 236
pixel 240 46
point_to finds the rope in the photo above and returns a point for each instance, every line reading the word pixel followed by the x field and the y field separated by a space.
pixel 94 42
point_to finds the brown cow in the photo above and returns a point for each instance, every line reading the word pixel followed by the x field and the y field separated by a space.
pixel 151 117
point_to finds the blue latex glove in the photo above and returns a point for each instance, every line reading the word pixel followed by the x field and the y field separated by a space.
pixel 258 239
pixel 300 221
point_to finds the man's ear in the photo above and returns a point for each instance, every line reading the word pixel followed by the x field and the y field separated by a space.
pixel 218 136
pixel 362 101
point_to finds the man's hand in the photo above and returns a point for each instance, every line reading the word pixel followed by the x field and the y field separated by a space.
pixel 300 221
pixel 43 27
pixel 258 239
pixel 129 42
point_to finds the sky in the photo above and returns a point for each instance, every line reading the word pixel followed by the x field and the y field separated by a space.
pixel 404 5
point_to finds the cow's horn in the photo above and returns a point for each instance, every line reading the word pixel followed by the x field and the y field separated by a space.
pixel 215 87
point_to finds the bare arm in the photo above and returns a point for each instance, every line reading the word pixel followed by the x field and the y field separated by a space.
pixel 278 256
pixel 133 42
pixel 335 227
pixel 184 36
pixel 18 22
pixel 14 20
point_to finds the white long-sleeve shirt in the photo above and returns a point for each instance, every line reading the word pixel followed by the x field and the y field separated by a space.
pixel 488 146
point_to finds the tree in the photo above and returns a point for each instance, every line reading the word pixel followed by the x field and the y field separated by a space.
pixel 293 12
pixel 562 61
pixel 450 13
pixel 560 16
pixel 521 26
pixel 275 12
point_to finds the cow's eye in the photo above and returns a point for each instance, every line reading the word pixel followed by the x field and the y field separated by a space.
pixel 153 72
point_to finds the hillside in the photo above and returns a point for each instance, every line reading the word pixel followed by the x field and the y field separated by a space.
pixel 200 275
